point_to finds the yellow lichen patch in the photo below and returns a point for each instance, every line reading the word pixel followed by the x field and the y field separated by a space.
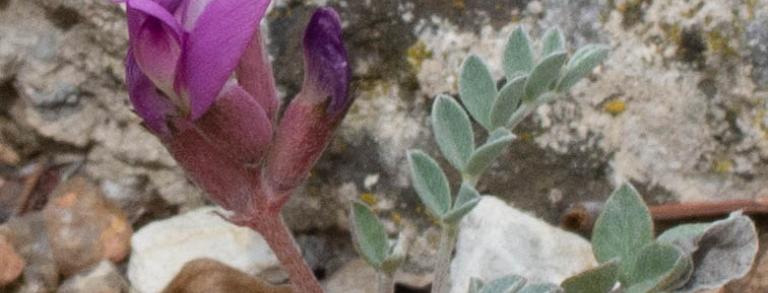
pixel 757 121
pixel 525 136
pixel 632 11
pixel 722 166
pixel 673 32
pixel 417 53
pixel 396 218
pixel 459 4
pixel 751 5
pixel 719 44
pixel 615 107
pixel 692 12
pixel 369 198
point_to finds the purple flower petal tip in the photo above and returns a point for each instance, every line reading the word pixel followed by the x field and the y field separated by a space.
pixel 147 103
pixel 213 48
pixel 327 66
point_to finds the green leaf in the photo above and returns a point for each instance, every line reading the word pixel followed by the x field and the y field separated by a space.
pixel 453 131
pixel 507 102
pixel 395 257
pixel 369 236
pixel 507 284
pixel 582 63
pixel 430 182
pixel 518 55
pixel 623 228
pixel 543 75
pixel 598 280
pixel 482 158
pixel 466 201
pixel 477 89
pixel 685 231
pixel 724 252
pixel 657 268
pixel 553 41
pixel 541 288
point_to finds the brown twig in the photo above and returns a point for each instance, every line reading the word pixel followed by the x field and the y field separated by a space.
pixel 30 183
pixel 581 216
pixel 683 211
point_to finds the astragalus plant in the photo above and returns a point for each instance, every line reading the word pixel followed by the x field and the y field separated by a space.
pixel 530 80
pixel 199 75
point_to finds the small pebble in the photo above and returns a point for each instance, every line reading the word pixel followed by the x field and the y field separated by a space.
pixel 102 278
pixel 206 275
pixel 535 7
pixel 11 263
pixel 27 234
pixel 354 277
pixel 84 228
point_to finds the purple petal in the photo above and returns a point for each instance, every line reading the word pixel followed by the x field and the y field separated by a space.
pixel 155 38
pixel 147 102
pixel 326 71
pixel 238 125
pixel 191 11
pixel 254 74
pixel 214 47
pixel 226 181
pixel 140 10
pixel 157 52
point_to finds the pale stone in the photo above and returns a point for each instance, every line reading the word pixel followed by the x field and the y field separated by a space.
pixel 161 248
pixel 102 278
pixel 497 240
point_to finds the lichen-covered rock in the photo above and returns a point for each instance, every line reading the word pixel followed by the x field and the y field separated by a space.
pixel 679 108
pixel 496 240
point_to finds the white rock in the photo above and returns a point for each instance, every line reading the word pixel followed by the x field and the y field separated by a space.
pixel 160 249
pixel 497 240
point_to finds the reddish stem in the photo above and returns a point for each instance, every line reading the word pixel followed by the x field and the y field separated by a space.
pixel 272 227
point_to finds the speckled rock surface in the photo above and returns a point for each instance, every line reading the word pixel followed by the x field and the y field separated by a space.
pixel 679 108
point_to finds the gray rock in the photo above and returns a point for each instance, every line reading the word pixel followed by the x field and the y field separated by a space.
pixel 497 240
pixel 757 43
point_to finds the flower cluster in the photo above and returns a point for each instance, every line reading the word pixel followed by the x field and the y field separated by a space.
pixel 199 76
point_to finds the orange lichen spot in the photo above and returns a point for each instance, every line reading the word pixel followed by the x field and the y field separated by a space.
pixel 525 136
pixel 369 199
pixel 615 107
pixel 459 4
pixel 67 200
pixel 396 218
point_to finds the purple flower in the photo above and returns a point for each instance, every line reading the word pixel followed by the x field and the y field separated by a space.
pixel 199 76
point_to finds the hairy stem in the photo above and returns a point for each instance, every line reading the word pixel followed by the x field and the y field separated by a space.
pixel 386 283
pixel 279 238
pixel 442 281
